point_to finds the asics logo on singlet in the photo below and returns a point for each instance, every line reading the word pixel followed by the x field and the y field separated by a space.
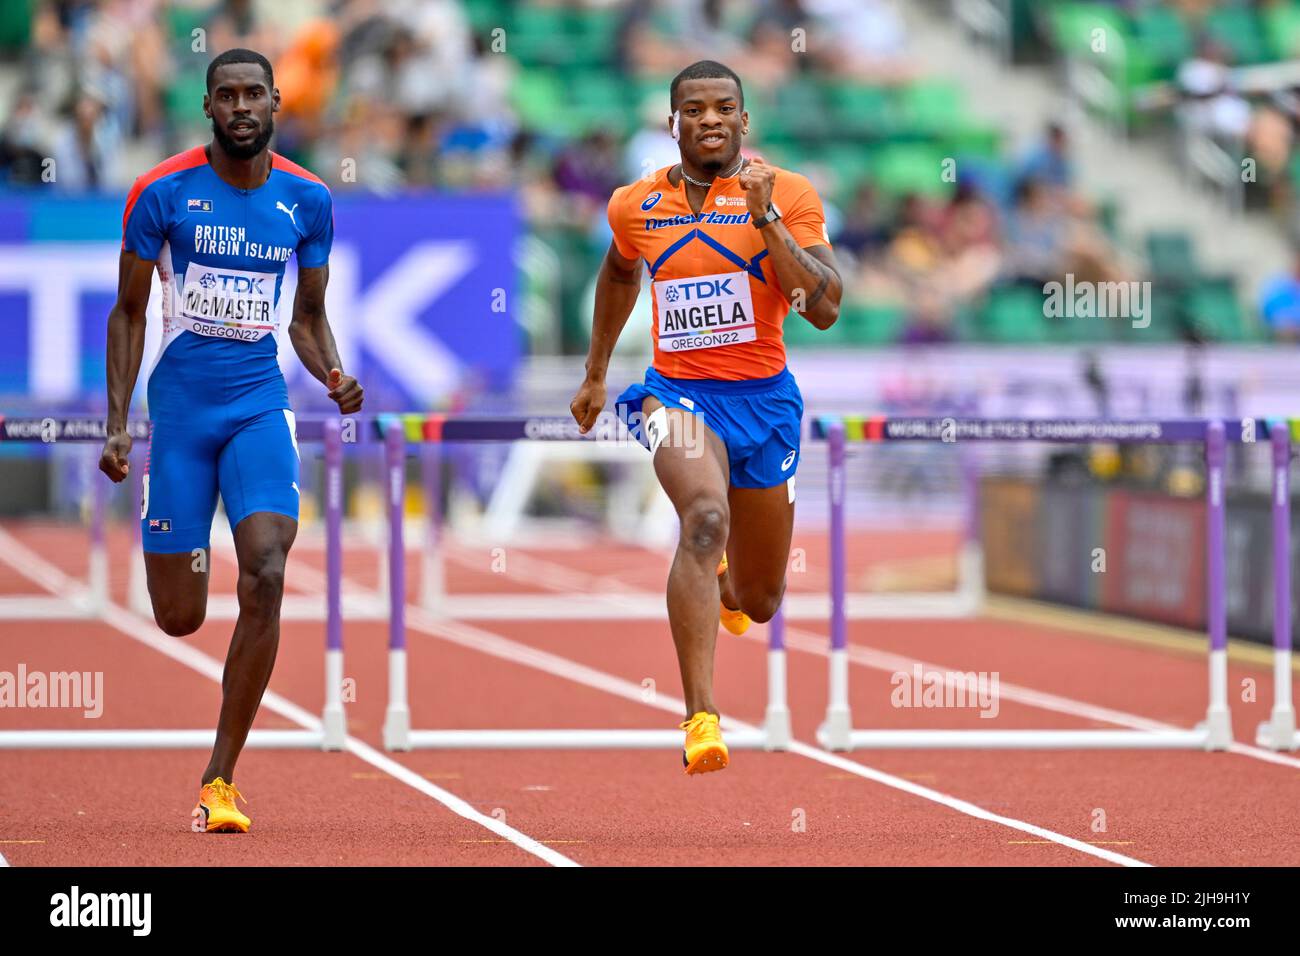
pixel 287 211
pixel 650 201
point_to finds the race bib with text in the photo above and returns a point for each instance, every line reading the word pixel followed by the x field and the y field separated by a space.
pixel 704 312
pixel 228 303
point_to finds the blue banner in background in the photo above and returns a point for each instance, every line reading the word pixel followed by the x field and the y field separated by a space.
pixel 421 300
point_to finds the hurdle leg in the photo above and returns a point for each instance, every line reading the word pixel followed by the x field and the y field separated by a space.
pixel 1279 732
pixel 836 733
pixel 433 586
pixel 397 721
pixel 334 719
pixel 1218 720
pixel 776 722
pixel 138 584
pixel 970 560
pixel 98 595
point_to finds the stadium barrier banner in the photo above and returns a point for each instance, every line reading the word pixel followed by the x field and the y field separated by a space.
pixel 421 298
pixel 1009 511
pixel 1134 553
pixel 1071 526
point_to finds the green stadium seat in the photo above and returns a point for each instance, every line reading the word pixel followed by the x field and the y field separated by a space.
pixel 1281 24
pixel 1014 314
pixel 541 36
pixel 1172 256
pixel 910 167
pixel 931 106
pixel 861 110
pixel 15 25
pixel 538 98
pixel 1239 30
pixel 872 323
pixel 1164 37
pixel 798 332
pixel 1215 310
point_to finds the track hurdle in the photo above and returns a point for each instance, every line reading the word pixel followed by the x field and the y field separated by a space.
pixel 93 602
pixel 1279 732
pixel 399 431
pixel 1214 733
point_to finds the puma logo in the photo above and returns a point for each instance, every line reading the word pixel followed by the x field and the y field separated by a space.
pixel 287 211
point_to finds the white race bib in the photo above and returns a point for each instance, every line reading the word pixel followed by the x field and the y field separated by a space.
pixel 228 303
pixel 704 312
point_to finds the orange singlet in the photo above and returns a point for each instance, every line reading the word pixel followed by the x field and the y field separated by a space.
pixel 717 306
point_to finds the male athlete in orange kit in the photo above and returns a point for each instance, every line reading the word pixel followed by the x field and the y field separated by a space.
pixel 731 246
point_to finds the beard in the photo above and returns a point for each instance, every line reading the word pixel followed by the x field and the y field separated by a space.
pixel 239 150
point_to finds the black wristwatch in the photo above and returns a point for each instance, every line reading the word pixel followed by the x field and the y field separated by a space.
pixel 772 215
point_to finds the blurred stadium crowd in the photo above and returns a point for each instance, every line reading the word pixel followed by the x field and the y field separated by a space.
pixel 946 230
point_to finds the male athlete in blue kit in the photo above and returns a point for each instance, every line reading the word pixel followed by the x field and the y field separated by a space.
pixel 218 223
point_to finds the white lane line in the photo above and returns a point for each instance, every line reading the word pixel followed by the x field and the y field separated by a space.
pixel 809 642
pixel 496 645
pixel 36 568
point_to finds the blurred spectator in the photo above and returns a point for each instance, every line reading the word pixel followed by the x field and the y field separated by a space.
pixel 1279 303
pixel 1210 106
pixel 86 151
pixel 22 143
pixel 1049 162
pixel 866 39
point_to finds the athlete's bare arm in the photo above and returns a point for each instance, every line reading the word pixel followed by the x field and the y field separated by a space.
pixel 617 288
pixel 124 353
pixel 309 331
pixel 808 276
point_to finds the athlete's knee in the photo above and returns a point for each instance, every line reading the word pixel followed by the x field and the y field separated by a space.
pixel 761 603
pixel 179 621
pixel 705 524
pixel 261 584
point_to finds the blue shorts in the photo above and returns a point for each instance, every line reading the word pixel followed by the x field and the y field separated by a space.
pixel 251 458
pixel 757 419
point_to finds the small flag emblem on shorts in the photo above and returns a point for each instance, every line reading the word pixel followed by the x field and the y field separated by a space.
pixel 199 205
pixel 159 525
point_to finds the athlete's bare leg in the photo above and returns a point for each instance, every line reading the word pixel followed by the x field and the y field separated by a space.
pixel 262 542
pixel 178 590
pixel 691 464
pixel 762 522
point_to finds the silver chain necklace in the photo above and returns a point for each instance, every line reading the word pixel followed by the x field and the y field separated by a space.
pixel 709 183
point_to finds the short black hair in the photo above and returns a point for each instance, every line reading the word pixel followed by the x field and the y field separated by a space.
pixel 240 55
pixel 705 70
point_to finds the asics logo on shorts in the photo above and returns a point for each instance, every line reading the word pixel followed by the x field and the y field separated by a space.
pixel 789 460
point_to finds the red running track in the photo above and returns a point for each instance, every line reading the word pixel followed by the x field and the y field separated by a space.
pixel 630 808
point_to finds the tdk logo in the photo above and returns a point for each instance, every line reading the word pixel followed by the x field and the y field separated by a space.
pixel 233 285
pixel 198 205
pixel 697 291
pixel 650 201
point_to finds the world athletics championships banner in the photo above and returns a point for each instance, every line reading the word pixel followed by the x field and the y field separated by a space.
pixel 422 297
